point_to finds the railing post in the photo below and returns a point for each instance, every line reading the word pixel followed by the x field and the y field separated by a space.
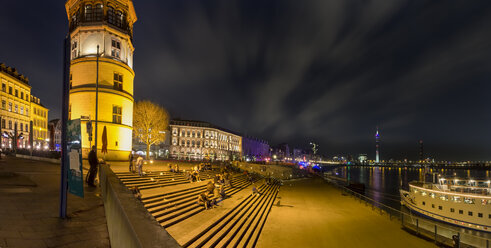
pixel 417 226
pixel 435 234
pixel 458 236
pixel 402 219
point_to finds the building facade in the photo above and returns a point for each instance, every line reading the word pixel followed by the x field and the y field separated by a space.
pixel 101 35
pixel 254 149
pixel 39 117
pixel 17 116
pixel 197 140
pixel 54 129
pixel 281 152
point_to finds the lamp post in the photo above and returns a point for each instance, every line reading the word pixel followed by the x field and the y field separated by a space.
pixel 96 99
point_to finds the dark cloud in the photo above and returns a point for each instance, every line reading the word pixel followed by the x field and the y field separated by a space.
pixel 295 71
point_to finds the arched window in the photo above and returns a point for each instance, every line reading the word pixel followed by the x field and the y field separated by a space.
pixel 119 18
pixel 98 12
pixel 111 18
pixel 89 15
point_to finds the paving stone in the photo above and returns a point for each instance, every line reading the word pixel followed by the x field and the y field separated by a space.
pixel 9 234
pixel 61 240
pixel 26 243
pixel 90 244
pixel 38 235
pixel 34 216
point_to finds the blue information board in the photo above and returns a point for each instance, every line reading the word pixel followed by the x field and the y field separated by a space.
pixel 74 158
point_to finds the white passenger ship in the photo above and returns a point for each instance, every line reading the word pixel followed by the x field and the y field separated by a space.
pixel 465 203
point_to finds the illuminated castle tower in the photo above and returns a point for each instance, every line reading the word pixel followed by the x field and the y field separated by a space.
pixel 377 145
pixel 106 24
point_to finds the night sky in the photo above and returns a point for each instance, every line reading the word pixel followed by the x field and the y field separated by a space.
pixel 296 71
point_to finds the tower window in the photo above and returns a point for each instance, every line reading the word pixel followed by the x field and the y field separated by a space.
pixel 22 127
pixel 3 123
pixel 70 111
pixel 10 124
pixel 16 93
pixel 119 19
pixel 27 111
pixel 10 107
pixel 70 80
pixel 22 95
pixel 111 18
pixel 74 49
pixel 10 90
pixel 118 81
pixel 88 13
pixel 4 88
pixel 116 114
pixel 4 104
pixel 98 12
pixel 21 110
pixel 115 48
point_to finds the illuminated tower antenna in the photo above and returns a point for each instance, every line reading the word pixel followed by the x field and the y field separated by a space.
pixel 377 146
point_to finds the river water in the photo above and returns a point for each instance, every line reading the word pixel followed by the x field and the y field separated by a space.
pixel 382 184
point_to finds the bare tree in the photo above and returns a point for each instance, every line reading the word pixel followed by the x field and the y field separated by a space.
pixel 150 122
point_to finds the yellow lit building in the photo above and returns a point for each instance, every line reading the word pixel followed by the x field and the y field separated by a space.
pixel 39 117
pixel 20 110
pixel 109 25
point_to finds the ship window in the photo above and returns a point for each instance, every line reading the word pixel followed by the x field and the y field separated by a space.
pixel 452 210
pixel 440 208
pixel 461 211
pixel 433 205
pixel 424 203
pixel 470 213
pixel 488 216
pixel 468 200
pixel 479 215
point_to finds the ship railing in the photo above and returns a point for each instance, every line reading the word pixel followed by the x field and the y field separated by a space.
pixel 441 233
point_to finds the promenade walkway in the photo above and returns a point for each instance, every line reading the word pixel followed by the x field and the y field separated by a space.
pixel 29 206
pixel 311 213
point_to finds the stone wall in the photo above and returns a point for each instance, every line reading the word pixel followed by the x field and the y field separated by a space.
pixel 128 222
pixel 283 172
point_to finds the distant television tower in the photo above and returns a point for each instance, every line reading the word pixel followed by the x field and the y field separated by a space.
pixel 377 145
pixel 421 151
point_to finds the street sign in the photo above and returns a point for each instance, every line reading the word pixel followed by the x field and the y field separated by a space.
pixel 74 158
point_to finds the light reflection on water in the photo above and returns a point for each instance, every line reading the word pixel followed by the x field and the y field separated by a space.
pixel 383 183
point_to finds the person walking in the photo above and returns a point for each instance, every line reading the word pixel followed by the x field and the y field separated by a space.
pixel 93 161
pixel 139 165
pixel 130 158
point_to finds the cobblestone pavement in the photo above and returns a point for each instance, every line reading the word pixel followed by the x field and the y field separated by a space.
pixel 29 207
